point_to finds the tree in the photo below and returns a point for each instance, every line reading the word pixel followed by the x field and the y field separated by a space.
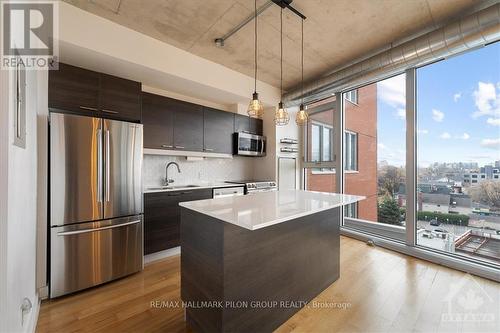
pixel 388 211
pixel 389 180
pixel 487 193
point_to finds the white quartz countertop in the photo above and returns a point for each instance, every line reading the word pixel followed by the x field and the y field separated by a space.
pixel 261 210
pixel 183 187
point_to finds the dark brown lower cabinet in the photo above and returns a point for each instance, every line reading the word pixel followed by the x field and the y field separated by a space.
pixel 162 217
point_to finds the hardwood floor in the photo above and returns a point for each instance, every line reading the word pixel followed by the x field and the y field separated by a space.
pixel 378 291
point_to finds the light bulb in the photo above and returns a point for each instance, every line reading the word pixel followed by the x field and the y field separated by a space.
pixel 255 108
pixel 281 117
pixel 302 116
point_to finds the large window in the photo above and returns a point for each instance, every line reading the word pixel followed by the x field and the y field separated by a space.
pixel 374 156
pixel 458 140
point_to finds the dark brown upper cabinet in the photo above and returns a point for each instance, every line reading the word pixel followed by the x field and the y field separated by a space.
pixel 218 131
pixel 241 123
pixel 246 124
pixel 73 89
pixel 120 98
pixel 158 120
pixel 256 126
pixel 188 126
pixel 77 90
pixel 172 124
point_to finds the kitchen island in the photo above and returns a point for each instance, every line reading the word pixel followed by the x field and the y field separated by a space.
pixel 248 263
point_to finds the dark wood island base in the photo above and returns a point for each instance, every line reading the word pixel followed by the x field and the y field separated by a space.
pixel 239 280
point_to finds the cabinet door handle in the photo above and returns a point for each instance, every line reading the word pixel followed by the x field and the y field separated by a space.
pixel 87 108
pixel 179 147
pixel 208 149
pixel 109 111
pixel 166 146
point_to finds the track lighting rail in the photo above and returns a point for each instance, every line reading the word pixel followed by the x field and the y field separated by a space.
pixel 282 3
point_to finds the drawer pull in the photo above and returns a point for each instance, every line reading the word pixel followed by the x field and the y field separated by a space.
pixel 179 147
pixel 76 232
pixel 109 111
pixel 166 146
pixel 87 108
pixel 209 149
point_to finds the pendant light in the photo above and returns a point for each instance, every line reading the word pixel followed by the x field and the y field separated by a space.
pixel 302 117
pixel 281 116
pixel 255 108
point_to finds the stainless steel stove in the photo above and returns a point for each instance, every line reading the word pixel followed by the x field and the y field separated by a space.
pixel 256 186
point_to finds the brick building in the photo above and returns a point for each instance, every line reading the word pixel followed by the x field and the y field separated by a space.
pixel 361 149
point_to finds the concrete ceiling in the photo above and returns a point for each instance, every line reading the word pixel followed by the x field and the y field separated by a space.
pixel 336 32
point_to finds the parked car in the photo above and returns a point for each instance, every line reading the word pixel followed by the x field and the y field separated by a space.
pixel 435 223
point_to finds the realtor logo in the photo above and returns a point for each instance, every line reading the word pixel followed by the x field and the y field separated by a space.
pixel 467 301
pixel 28 33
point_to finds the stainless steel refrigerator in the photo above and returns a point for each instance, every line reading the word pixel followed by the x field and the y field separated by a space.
pixel 96 221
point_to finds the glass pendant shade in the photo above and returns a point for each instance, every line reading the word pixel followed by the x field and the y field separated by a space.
pixel 302 117
pixel 255 108
pixel 281 117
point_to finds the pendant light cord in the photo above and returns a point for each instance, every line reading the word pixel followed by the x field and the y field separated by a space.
pixel 302 58
pixel 255 39
pixel 281 56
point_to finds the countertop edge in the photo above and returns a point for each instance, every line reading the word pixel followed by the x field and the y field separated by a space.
pixel 277 221
pixel 201 187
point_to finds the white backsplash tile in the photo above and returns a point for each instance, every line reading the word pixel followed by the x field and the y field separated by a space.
pixel 207 170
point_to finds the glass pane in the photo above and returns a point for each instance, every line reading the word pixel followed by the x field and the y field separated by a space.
pixel 458 195
pixel 375 131
pixel 327 147
pixel 315 142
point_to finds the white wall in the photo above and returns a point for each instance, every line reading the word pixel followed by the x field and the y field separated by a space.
pixel 19 208
pixel 4 176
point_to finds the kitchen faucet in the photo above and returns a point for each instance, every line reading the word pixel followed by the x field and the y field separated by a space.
pixel 169 180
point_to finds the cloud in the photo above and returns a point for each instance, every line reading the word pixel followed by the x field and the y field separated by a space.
pixel 493 121
pixel 437 115
pixel 487 100
pixel 457 96
pixel 401 114
pixel 381 146
pixel 445 136
pixel 423 131
pixel 464 136
pixel 491 143
pixel 392 91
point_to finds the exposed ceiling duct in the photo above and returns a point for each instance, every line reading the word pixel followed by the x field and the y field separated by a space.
pixel 475 30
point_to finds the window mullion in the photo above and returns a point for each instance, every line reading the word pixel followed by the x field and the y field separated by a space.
pixel 411 143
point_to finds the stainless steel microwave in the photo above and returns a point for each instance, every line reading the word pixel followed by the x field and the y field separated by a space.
pixel 247 144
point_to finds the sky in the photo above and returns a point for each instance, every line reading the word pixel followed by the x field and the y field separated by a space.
pixel 458 111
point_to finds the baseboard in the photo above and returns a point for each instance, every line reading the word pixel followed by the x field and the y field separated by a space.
pixel 162 254
pixel 43 292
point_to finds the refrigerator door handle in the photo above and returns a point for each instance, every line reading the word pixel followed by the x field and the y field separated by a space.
pixel 76 232
pixel 99 165
pixel 108 174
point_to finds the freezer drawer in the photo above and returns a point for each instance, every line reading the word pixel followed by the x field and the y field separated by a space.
pixel 88 254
